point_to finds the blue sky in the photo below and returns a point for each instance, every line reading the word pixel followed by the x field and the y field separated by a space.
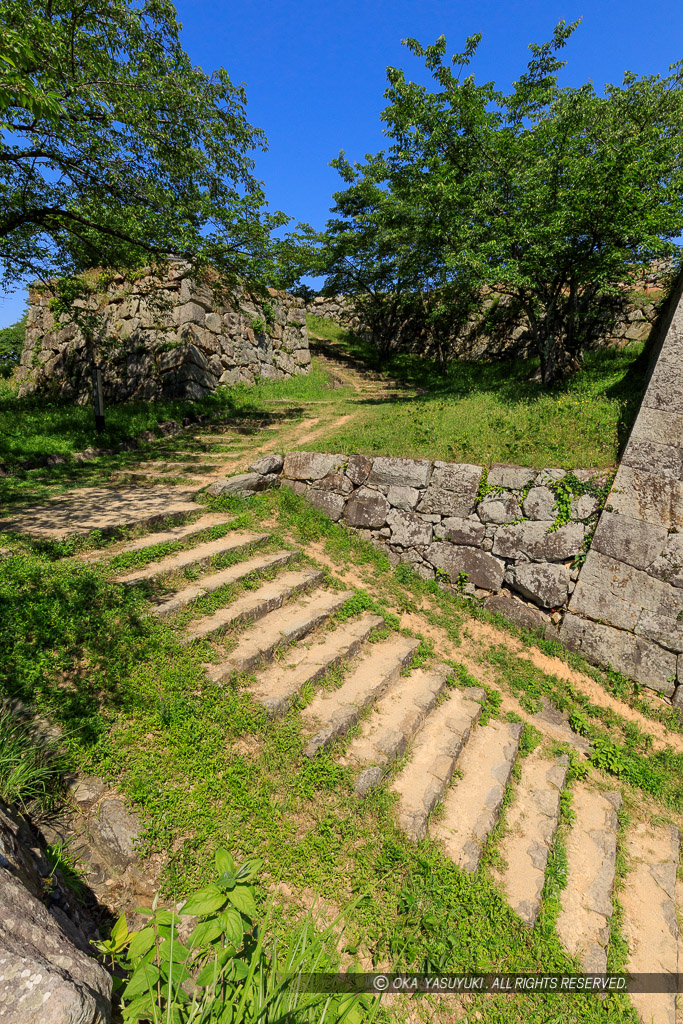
pixel 315 72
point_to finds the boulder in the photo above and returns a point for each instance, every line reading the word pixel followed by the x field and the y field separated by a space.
pixel 545 585
pixel 514 478
pixel 366 508
pixel 481 569
pixel 540 504
pixel 310 465
pixel 243 484
pixel 452 489
pixel 327 501
pixel 402 472
pixel 407 529
pixel 267 464
pixel 464 531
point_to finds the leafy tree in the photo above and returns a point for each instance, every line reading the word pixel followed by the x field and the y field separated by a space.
pixel 11 344
pixel 551 195
pixel 380 248
pixel 117 151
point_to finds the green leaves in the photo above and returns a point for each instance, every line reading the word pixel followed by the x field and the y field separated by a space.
pixel 225 974
pixel 205 901
pixel 549 196
pixel 117 150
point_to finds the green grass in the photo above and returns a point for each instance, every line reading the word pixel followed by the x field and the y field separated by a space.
pixel 205 766
pixel 31 767
pixel 495 412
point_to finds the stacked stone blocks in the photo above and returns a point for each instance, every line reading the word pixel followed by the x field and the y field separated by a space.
pixel 502 542
pixel 627 609
pixel 170 338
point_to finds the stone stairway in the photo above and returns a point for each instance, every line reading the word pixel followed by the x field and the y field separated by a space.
pixel 454 779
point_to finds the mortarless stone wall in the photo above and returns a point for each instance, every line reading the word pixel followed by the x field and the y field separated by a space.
pixel 512 339
pixel 173 338
pixel 513 537
pixel 627 609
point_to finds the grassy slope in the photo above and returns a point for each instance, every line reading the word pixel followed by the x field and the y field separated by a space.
pixel 495 412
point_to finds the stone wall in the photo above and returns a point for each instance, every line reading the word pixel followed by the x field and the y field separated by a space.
pixel 511 337
pixel 164 338
pixel 627 609
pixel 511 536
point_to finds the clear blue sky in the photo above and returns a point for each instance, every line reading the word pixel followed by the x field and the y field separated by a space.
pixel 315 71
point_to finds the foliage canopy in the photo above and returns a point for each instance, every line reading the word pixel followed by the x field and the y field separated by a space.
pixel 550 195
pixel 116 150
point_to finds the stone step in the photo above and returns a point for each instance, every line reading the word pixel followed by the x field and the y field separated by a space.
pixel 143 476
pixel 234 573
pixel 164 467
pixel 254 604
pixel 331 715
pixel 284 626
pixel 583 924
pixel 424 780
pixel 531 821
pixel 649 921
pixel 395 719
pixel 193 557
pixel 277 685
pixel 473 803
pixel 165 537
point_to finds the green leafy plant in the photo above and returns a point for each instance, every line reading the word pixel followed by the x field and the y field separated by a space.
pixel 231 970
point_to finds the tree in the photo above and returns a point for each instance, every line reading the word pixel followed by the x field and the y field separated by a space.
pixel 380 248
pixel 553 196
pixel 11 344
pixel 115 150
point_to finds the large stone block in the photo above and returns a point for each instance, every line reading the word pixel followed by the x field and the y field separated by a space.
pixel 545 585
pixel 327 501
pixel 243 484
pixel 515 478
pixel 647 496
pixel 515 611
pixel 464 531
pixel 452 489
pixel 629 585
pixel 189 313
pixel 367 509
pixel 540 504
pixel 658 425
pixel 358 469
pixel 503 509
pixel 267 464
pixel 669 566
pixel 407 529
pixel 629 540
pixel 403 472
pixel 662 459
pixel 403 497
pixel 538 541
pixel 310 465
pixel 666 630
pixel 481 569
pixel 636 657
